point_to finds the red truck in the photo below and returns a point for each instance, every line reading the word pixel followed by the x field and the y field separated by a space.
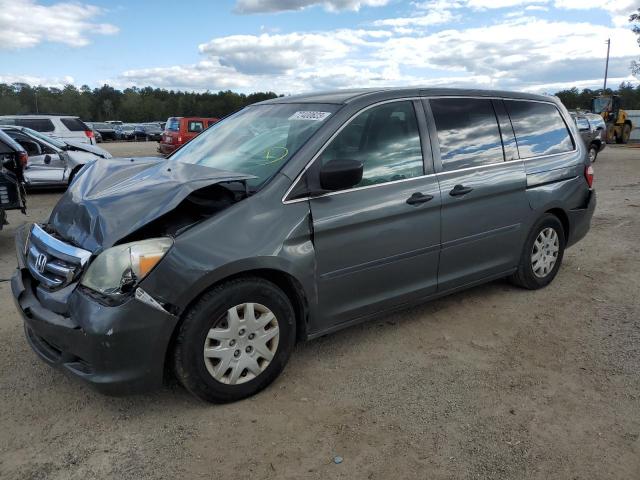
pixel 179 130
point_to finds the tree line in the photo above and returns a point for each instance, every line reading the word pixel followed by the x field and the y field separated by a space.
pixel 147 104
pixel 129 105
pixel 574 98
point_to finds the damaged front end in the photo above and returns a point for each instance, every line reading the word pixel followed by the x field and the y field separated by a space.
pixel 78 284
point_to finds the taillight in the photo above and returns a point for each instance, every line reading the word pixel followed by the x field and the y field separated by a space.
pixel 89 133
pixel 179 139
pixel 588 175
pixel 23 158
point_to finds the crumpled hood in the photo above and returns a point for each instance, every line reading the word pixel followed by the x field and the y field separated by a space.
pixel 85 147
pixel 112 198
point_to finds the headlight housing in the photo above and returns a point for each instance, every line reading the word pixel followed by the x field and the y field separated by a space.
pixel 118 269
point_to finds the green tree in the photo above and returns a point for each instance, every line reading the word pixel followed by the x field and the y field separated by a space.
pixel 634 18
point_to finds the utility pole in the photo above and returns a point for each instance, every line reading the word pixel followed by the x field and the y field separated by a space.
pixel 36 94
pixel 606 68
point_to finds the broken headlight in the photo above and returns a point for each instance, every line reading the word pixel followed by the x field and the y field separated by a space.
pixel 118 269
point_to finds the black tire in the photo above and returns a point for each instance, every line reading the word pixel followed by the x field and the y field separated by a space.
pixel 593 153
pixel 626 133
pixel 525 277
pixel 210 310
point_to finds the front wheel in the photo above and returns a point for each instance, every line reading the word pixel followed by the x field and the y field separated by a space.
pixel 542 254
pixel 235 340
pixel 593 153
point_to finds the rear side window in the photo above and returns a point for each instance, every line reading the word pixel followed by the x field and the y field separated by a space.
pixel 468 132
pixel 173 125
pixel 539 128
pixel 582 123
pixel 195 126
pixel 385 139
pixel 37 124
pixel 74 124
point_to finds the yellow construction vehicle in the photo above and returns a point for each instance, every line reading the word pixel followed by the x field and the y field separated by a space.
pixel 619 125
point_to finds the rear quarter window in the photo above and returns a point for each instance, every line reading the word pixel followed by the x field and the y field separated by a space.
pixel 195 126
pixel 74 124
pixel 37 124
pixel 539 128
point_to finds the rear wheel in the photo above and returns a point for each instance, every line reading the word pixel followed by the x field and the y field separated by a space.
pixel 626 133
pixel 235 340
pixel 542 254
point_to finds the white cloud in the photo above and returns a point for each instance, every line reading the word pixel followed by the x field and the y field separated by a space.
pixel 419 45
pixel 515 49
pixel 55 82
pixel 272 6
pixel 204 75
pixel 491 4
pixel 268 53
pixel 435 17
pixel 613 6
pixel 25 23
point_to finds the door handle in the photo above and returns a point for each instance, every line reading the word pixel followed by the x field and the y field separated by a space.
pixel 418 198
pixel 460 190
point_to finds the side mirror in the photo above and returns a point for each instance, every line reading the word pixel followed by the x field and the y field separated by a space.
pixel 47 159
pixel 341 174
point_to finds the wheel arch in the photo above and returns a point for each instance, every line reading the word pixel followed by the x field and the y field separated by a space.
pixel 291 287
pixel 564 219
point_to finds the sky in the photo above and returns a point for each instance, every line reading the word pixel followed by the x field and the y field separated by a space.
pixel 292 46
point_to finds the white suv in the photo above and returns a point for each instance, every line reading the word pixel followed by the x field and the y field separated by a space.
pixel 58 126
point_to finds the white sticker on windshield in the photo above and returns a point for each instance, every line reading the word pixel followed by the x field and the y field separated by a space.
pixel 310 115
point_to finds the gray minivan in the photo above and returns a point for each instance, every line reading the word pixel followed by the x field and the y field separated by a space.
pixel 293 218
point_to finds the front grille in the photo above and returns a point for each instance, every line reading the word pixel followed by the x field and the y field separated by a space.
pixel 52 262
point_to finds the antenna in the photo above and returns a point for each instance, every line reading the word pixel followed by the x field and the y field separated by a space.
pixel 606 68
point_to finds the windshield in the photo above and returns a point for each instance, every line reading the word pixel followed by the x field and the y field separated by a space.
pixel 53 141
pixel 601 104
pixel 173 124
pixel 257 140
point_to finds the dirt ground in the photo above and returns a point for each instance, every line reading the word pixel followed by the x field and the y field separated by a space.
pixel 492 383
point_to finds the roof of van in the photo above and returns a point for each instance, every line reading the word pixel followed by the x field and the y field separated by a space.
pixel 346 96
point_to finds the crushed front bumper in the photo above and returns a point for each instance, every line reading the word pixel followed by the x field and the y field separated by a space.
pixel 118 350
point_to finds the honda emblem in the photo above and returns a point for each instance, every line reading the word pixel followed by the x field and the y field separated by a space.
pixel 41 262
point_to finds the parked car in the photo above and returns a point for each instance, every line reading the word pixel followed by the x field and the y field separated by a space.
pixel 97 136
pixel 147 131
pixel 179 130
pixel 52 162
pixel 106 130
pixel 294 218
pixel 592 130
pixel 125 131
pixel 57 126
pixel 13 159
